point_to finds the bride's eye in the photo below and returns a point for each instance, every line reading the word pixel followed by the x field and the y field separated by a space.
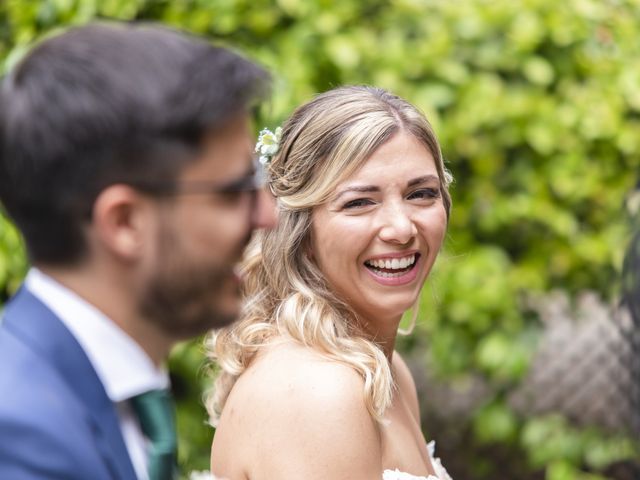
pixel 424 194
pixel 357 203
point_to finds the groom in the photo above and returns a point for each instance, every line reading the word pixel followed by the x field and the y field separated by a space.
pixel 126 162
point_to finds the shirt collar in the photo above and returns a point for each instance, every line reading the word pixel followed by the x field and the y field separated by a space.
pixel 122 365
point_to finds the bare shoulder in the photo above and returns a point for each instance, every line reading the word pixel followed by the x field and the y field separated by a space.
pixel 295 400
pixel 294 380
pixel 406 385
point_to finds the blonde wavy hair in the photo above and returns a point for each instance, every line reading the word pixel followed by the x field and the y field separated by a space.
pixel 323 143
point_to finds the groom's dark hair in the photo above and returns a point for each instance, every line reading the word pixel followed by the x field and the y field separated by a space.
pixel 103 104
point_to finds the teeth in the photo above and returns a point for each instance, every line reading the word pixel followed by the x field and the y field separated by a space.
pixel 389 274
pixel 392 264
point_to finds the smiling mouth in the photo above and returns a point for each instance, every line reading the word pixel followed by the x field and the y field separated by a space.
pixel 392 267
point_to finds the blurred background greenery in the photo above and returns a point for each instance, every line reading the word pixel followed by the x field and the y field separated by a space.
pixel 537 106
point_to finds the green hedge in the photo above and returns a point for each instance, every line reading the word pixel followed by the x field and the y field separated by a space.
pixel 537 105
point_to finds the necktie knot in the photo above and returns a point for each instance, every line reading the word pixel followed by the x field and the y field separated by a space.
pixel 156 415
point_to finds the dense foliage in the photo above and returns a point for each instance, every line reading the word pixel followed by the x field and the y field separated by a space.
pixel 537 106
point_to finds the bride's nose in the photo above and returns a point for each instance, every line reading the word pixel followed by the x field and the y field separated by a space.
pixel 396 225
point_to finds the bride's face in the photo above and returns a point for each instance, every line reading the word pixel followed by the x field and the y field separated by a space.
pixel 378 236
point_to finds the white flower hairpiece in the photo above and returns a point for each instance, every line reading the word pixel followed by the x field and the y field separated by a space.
pixel 268 144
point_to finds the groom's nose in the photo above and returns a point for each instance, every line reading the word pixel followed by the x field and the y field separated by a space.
pixel 264 214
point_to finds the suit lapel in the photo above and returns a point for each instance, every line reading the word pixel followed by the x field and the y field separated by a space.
pixel 40 328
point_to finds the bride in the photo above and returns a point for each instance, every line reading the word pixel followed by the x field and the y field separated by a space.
pixel 310 386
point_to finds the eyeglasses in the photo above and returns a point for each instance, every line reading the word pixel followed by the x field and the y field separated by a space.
pixel 247 184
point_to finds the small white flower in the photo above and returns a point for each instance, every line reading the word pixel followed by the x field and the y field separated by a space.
pixel 268 144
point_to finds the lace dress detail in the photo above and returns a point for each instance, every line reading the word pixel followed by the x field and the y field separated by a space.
pixel 441 473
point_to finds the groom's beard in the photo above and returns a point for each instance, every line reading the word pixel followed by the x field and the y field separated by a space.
pixel 185 296
pixel 183 306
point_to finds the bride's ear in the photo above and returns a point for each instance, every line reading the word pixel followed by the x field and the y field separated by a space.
pixel 308 248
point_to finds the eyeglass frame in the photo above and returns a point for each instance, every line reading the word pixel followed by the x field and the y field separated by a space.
pixel 252 184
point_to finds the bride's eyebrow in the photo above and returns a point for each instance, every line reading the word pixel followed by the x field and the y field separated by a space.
pixel 356 188
pixel 424 179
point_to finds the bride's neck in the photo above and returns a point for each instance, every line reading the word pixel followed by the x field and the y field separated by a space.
pixel 384 334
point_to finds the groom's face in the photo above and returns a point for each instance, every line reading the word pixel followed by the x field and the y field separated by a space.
pixel 191 285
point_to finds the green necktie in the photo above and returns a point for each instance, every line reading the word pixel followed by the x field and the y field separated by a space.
pixel 157 419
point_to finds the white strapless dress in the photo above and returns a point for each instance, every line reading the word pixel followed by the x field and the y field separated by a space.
pixel 441 473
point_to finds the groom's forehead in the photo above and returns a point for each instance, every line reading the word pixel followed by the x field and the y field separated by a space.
pixel 226 151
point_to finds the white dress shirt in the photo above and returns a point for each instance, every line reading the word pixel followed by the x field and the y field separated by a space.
pixel 123 367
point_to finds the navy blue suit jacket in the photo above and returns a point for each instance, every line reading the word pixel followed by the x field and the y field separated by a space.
pixel 56 421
